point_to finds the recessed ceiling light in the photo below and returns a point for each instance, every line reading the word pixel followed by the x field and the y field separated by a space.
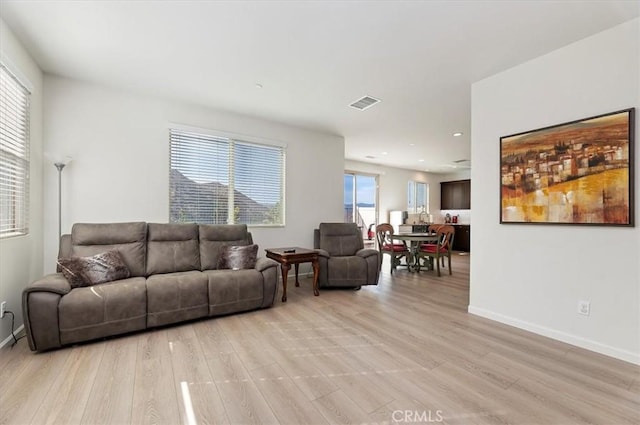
pixel 384 153
pixel 458 134
pixel 412 144
pixel 258 85
pixel 421 160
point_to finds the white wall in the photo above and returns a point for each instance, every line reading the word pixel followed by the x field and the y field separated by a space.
pixel 459 175
pixel 120 169
pixel 21 257
pixel 532 276
pixel 393 186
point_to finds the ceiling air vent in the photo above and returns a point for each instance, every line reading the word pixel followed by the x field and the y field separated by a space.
pixel 370 157
pixel 364 103
pixel 462 163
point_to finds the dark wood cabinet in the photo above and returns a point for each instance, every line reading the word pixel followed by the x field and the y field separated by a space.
pixel 462 238
pixel 455 195
pixel 466 195
pixel 446 196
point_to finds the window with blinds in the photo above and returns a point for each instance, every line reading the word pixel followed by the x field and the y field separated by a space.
pixel 220 180
pixel 14 156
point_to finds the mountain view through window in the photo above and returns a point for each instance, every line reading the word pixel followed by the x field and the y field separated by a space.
pixel 219 180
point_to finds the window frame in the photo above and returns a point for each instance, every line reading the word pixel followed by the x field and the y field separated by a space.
pixel 412 193
pixel 20 159
pixel 234 139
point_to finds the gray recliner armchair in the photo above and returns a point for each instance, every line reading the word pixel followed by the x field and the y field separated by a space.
pixel 343 260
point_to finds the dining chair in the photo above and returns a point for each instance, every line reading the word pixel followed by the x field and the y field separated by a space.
pixel 433 228
pixel 441 249
pixel 394 249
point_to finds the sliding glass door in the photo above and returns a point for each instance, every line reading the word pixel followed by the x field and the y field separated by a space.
pixel 360 201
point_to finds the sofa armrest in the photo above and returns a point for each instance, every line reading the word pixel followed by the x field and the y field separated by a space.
pixel 54 282
pixel 323 253
pixel 264 263
pixel 367 252
pixel 269 270
pixel 373 258
pixel 40 301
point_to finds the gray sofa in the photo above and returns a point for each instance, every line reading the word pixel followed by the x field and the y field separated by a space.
pixel 173 278
pixel 344 261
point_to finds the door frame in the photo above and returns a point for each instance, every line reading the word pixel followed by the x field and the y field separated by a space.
pixel 376 178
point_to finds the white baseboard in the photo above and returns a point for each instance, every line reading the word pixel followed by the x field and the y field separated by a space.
pixel 578 341
pixel 10 338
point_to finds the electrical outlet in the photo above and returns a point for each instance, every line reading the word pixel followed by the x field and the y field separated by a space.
pixel 584 307
pixel 3 307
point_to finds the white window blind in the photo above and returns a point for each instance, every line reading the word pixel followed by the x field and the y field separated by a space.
pixel 219 180
pixel 14 156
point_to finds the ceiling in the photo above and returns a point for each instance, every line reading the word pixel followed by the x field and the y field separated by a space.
pixel 313 59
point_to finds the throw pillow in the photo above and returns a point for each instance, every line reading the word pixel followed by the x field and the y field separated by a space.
pixel 238 257
pixel 87 271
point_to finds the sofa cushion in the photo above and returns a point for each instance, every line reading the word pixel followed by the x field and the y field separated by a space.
pixel 176 297
pixel 238 257
pixel 231 291
pixel 172 248
pixel 103 310
pixel 100 268
pixel 347 271
pixel 215 236
pixel 130 239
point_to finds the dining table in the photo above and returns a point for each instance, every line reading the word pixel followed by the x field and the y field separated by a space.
pixel 415 240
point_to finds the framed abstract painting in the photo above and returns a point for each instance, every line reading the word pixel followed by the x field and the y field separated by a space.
pixel 580 172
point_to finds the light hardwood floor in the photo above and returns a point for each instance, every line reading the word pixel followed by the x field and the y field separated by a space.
pixel 405 351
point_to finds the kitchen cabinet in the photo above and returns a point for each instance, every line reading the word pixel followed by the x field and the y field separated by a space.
pixel 462 238
pixel 455 195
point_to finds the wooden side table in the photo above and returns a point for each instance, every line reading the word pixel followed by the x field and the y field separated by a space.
pixel 295 255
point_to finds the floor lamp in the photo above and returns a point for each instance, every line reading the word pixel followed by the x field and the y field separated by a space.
pixel 60 166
